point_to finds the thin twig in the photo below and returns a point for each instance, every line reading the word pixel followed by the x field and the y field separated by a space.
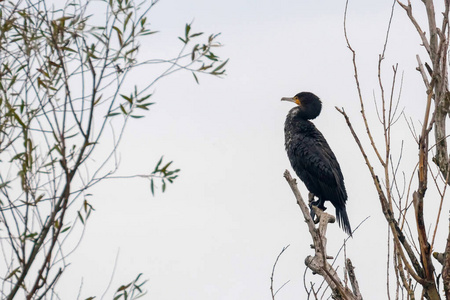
pixel 356 76
pixel 273 274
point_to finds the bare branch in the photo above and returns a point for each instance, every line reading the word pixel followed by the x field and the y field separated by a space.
pixel 408 9
pixel 354 282
pixel 399 238
pixel 421 69
pixel 361 102
pixel 318 263
pixel 273 274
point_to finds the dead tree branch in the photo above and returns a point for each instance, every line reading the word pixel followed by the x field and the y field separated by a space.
pixel 399 238
pixel 437 48
pixel 318 263
pixel 352 277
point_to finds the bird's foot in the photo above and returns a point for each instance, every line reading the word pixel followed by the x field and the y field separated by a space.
pixel 318 204
pixel 310 198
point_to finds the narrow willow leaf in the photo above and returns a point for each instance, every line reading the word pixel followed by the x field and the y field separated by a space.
pixel 187 29
pixel 196 34
pixel 123 287
pixel 152 187
pixel 81 218
pixel 123 109
pixel 195 77
pixel 129 99
pixel 220 66
pixel 157 165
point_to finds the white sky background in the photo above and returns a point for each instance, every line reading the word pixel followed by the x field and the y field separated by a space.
pixel 216 232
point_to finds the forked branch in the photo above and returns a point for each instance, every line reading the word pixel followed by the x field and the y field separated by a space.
pixel 318 263
pixel 399 238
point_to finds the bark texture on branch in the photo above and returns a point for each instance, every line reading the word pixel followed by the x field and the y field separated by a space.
pixel 437 48
pixel 436 43
pixel 352 277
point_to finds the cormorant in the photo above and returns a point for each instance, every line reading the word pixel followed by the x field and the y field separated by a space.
pixel 311 156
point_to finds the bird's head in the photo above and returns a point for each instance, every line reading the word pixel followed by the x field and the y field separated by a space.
pixel 309 105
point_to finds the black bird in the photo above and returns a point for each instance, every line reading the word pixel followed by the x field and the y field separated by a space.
pixel 311 156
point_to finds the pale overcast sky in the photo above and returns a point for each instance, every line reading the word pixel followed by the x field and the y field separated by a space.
pixel 216 232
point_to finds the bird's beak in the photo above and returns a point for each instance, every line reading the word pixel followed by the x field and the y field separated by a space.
pixel 291 99
pixel 288 99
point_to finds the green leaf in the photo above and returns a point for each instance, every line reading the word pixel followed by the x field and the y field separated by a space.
pixel 17 270
pixel 39 198
pixel 123 287
pixel 119 35
pixel 127 19
pixel 131 51
pixel 144 98
pixel 31 235
pixel 68 49
pixel 204 67
pixel 144 106
pixel 157 165
pixel 187 29
pixel 4 184
pixel 13 80
pixel 17 156
pixel 194 50
pixel 43 72
pixel 123 109
pixel 143 21
pixel 129 99
pixel 163 170
pixel 220 66
pixel 152 187
pixel 98 99
pixel 81 218
pixel 211 56
pixel 149 32
pixel 196 34
pixel 40 82
pixel 195 77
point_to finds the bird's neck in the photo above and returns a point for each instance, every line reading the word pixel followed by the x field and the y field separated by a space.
pixel 299 126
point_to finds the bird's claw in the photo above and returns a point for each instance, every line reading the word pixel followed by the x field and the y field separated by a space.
pixel 318 204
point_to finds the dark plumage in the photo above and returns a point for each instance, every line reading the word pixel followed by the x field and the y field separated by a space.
pixel 311 156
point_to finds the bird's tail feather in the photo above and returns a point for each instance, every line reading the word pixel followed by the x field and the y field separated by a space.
pixel 343 221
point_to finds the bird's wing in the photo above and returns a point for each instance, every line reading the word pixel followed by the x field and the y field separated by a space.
pixel 321 163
